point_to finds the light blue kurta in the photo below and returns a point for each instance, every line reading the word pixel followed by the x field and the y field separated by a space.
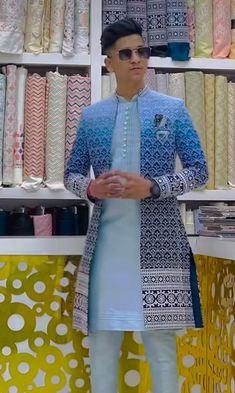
pixel 115 301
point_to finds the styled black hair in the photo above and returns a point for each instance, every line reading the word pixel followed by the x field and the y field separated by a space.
pixel 119 29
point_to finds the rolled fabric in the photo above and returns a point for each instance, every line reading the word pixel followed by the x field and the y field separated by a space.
pixel 210 127
pixel 191 25
pixel 68 41
pixel 12 25
pixel 34 155
pixel 4 223
pixel 176 85
pixel 56 26
pixel 46 25
pixel 21 75
pixel 9 125
pixel 113 10
pixel 177 30
pixel 203 28
pixel 137 10
pixel 195 102
pixel 78 96
pixel 162 83
pixel 232 48
pixel 150 79
pixel 106 89
pixel 82 26
pixel 231 134
pixel 156 26
pixel 55 134
pixel 2 114
pixel 21 224
pixel 222 30
pixel 33 27
pixel 221 132
pixel 42 225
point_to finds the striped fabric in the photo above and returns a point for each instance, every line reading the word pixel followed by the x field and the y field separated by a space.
pixel 78 96
pixel 2 113
pixel 34 156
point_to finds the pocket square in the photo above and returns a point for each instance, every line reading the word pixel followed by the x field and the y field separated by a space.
pixel 160 121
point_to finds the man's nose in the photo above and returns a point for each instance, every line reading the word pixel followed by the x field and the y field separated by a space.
pixel 135 56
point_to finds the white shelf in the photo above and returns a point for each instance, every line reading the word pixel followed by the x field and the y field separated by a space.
pixel 213 247
pixel 54 245
pixel 208 195
pixel 56 59
pixel 44 193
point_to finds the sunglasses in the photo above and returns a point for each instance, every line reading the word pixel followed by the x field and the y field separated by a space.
pixel 126 54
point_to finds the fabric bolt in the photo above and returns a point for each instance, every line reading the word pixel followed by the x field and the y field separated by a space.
pixel 210 127
pixel 56 26
pixel 4 223
pixel 21 75
pixel 177 30
pixel 46 25
pixel 65 222
pixel 20 224
pixel 68 41
pixel 232 48
pixel 78 96
pixel 113 10
pixel 137 10
pixel 12 25
pixel 34 155
pixel 156 25
pixel 81 214
pixel 191 26
pixel 150 79
pixel 222 28
pixel 231 134
pixel 55 134
pixel 2 115
pixel 162 83
pixel 33 27
pixel 176 85
pixel 106 88
pixel 82 21
pixel 10 124
pixel 203 28
pixel 195 102
pixel 42 225
pixel 221 132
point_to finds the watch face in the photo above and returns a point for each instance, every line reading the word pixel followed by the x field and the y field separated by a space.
pixel 155 189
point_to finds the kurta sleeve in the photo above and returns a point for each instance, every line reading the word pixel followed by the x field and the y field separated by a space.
pixel 194 173
pixel 77 173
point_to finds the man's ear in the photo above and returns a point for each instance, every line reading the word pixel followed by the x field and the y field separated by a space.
pixel 108 64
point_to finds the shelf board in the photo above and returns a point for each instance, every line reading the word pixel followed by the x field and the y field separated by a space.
pixel 43 193
pixel 56 59
pixel 208 195
pixel 213 247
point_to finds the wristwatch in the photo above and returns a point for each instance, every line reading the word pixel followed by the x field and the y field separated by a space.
pixel 154 189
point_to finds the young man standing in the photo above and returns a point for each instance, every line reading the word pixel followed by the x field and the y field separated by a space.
pixel 137 270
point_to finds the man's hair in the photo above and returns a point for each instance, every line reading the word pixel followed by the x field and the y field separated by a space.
pixel 119 29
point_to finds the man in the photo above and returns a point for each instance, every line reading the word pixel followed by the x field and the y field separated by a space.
pixel 137 262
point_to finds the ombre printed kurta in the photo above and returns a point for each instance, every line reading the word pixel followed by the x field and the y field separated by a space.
pixel 169 287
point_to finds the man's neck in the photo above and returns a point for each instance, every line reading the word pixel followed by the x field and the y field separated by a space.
pixel 128 92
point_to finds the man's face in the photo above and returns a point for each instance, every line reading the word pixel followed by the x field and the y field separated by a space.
pixel 132 69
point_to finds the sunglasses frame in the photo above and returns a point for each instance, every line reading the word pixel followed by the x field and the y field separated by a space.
pixel 135 50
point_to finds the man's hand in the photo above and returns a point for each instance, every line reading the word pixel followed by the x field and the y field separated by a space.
pixel 107 185
pixel 135 186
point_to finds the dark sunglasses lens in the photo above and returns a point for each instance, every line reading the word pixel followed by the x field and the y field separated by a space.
pixel 144 53
pixel 125 54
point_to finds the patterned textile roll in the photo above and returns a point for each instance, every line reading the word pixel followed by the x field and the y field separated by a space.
pixel 210 127
pixel 21 74
pixel 78 96
pixel 55 135
pixel 9 125
pixel 81 43
pixel 150 79
pixel 33 27
pixel 42 225
pixel 203 28
pixel 162 83
pixel 34 155
pixel 56 26
pixel 68 42
pixel 2 113
pixel 137 10
pixel 177 30
pixel 106 88
pixel 12 25
pixel 195 102
pixel 113 10
pixel 156 25
pixel 176 85
pixel 232 48
pixel 221 132
pixel 191 26
pixel 222 31
pixel 46 25
pixel 231 134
